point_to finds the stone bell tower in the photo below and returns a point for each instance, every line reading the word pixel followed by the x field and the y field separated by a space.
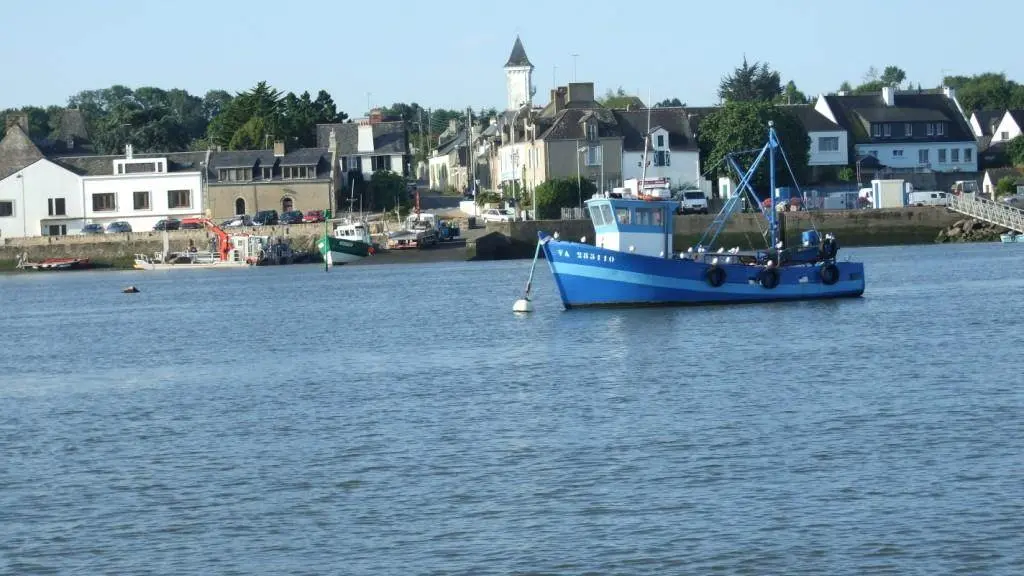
pixel 518 77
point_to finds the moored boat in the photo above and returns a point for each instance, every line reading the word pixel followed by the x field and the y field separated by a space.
pixel 56 264
pixel 632 263
pixel 228 251
pixel 350 242
pixel 1011 237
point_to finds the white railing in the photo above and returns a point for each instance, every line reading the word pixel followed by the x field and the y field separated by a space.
pixel 989 211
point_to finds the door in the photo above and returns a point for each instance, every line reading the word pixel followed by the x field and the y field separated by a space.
pixel 239 206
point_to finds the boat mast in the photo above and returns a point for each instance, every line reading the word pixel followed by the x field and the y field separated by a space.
pixel 647 136
pixel 773 217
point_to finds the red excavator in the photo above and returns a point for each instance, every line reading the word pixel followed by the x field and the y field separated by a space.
pixel 223 241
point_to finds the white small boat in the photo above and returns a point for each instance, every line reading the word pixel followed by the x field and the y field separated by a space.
pixel 1011 237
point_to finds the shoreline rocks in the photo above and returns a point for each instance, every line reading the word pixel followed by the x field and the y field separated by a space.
pixel 970 230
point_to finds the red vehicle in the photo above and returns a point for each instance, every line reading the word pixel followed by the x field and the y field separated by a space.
pixel 313 216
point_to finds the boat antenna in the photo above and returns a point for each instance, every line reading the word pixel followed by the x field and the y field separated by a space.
pixel 772 216
pixel 647 136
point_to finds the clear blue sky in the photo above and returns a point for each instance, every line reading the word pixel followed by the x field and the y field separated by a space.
pixel 450 53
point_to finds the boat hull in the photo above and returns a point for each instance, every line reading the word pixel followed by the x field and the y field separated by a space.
pixel 1011 238
pixel 339 251
pixel 590 276
pixel 144 265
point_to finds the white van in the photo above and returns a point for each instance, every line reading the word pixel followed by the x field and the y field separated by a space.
pixel 693 202
pixel 928 199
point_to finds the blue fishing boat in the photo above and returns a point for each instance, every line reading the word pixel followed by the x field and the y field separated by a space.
pixel 632 263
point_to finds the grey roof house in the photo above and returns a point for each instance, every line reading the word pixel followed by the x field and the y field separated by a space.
pixel 370 145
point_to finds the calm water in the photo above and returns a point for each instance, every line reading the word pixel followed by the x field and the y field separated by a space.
pixel 401 420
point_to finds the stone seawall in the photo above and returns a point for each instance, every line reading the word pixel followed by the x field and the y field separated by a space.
pixel 851 227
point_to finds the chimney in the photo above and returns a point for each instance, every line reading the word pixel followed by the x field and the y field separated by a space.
pixel 558 98
pixel 889 95
pixel 278 148
pixel 17 118
pixel 332 141
pixel 580 92
pixel 364 143
pixel 949 92
pixel 376 116
pixel 128 151
pixel 453 125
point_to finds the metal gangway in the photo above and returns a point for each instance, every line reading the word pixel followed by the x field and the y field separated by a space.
pixel 989 211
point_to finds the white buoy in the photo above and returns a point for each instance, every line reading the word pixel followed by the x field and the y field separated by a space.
pixel 523 305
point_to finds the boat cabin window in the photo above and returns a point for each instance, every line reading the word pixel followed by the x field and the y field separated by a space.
pixel 622 215
pixel 648 217
pixel 606 214
pixel 595 215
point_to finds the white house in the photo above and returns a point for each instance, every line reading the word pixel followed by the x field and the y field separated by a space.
pixel 1009 126
pixel 829 144
pixel 42 199
pixel 369 145
pixel 672 151
pixel 985 122
pixel 906 131
pixel 140 189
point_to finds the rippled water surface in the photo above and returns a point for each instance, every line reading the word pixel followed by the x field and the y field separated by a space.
pixel 401 420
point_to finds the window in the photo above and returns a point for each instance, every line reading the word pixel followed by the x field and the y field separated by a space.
pixel 268 172
pixel 56 207
pixel 942 155
pixel 622 215
pixel 235 175
pixel 140 201
pixel 57 230
pixel 648 217
pixel 104 202
pixel 922 156
pixel 591 131
pixel 379 163
pixel 179 199
pixel 908 129
pixel 954 155
pixel 661 140
pixel 606 214
pixel 595 215
pixel 887 129
pixel 662 158
pixel 286 204
pixel 828 144
pixel 140 168
pixel 1004 135
pixel 6 208
pixel 876 130
pixel 873 153
pixel 968 155
pixel 930 129
pixel 897 153
pixel 239 206
pixel 940 128
pixel 355 163
pixel 593 155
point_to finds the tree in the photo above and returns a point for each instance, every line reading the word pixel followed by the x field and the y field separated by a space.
pixel 845 87
pixel 1007 186
pixel 554 195
pixel 893 76
pixel 846 174
pixel 669 103
pixel 741 126
pixel 986 91
pixel 792 95
pixel 386 190
pixel 750 83
pixel 1015 151
pixel 620 99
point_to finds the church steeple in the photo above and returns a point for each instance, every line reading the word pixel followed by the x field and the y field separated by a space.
pixel 518 56
pixel 518 77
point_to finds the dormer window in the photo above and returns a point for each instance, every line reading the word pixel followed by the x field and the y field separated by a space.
pixel 234 174
pixel 876 130
pixel 591 130
pixel 887 130
pixel 908 129
pixel 661 141
pixel 298 172
pixel 268 172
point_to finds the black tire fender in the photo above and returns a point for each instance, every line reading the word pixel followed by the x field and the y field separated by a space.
pixel 768 278
pixel 829 274
pixel 715 276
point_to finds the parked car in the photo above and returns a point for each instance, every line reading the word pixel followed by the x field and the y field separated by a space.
pixel 314 216
pixel 291 217
pixel 237 221
pixel 119 227
pixel 168 224
pixel 93 229
pixel 693 202
pixel 192 224
pixel 266 218
pixel 498 215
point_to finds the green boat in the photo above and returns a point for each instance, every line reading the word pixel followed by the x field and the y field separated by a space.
pixel 350 242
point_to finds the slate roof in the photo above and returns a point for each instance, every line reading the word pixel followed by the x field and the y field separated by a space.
pixel 320 157
pixel 676 121
pixel 241 158
pixel 988 120
pixel 17 151
pixel 997 174
pixel 389 138
pixel 811 119
pixel 518 55
pixel 569 125
pixel 103 165
pixel 1018 117
pixel 304 157
pixel 855 112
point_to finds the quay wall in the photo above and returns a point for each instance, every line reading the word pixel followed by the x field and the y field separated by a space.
pixel 851 227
